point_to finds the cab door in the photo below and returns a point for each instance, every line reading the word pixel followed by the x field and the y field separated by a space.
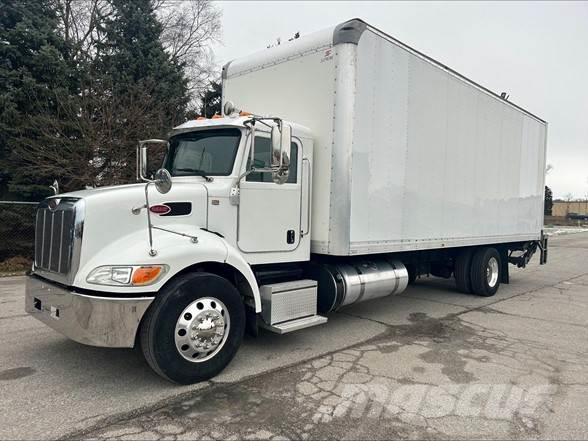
pixel 269 213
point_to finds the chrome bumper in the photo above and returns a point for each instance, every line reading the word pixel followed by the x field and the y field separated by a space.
pixel 91 320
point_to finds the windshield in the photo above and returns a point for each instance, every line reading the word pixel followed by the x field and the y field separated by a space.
pixel 203 153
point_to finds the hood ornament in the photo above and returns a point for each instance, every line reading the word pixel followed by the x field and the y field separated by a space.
pixel 55 187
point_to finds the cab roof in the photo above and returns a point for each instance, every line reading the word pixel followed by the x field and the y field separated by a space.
pixel 233 121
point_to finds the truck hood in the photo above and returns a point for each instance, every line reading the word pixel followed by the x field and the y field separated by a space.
pixel 108 212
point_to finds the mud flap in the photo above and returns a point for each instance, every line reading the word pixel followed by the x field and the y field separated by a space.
pixel 504 271
pixel 543 249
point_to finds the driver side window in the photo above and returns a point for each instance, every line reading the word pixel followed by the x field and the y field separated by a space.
pixel 262 159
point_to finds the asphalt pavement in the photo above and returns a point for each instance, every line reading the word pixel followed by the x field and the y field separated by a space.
pixel 429 363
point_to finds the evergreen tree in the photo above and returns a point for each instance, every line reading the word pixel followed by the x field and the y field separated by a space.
pixel 210 100
pixel 34 77
pixel 34 73
pixel 133 71
pixel 548 206
pixel 132 57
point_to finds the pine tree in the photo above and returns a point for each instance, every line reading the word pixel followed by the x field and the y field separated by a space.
pixel 548 204
pixel 210 100
pixel 34 73
pixel 133 71
pixel 132 57
pixel 34 76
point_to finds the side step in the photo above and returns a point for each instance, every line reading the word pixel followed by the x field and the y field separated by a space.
pixel 295 325
pixel 289 306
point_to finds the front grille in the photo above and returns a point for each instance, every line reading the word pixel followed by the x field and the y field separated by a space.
pixel 55 236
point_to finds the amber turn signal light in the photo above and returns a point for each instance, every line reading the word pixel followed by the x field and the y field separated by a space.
pixel 146 274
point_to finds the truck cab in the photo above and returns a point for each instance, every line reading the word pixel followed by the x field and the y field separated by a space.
pixel 265 220
pixel 103 255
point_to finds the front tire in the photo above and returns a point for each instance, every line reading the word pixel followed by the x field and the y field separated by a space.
pixel 486 272
pixel 193 328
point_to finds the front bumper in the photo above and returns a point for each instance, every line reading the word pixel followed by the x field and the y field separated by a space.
pixel 91 320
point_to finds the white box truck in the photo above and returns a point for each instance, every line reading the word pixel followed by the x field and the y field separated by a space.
pixel 345 166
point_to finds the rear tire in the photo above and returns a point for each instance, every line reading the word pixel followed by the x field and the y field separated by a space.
pixel 486 272
pixel 193 328
pixel 412 275
pixel 462 271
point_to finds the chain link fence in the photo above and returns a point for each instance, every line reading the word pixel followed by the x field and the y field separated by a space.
pixel 17 235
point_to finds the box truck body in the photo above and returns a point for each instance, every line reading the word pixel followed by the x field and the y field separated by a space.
pixel 358 166
pixel 408 154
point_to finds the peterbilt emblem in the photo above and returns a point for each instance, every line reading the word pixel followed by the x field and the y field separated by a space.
pixel 159 209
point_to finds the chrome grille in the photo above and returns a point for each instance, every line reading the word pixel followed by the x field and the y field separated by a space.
pixel 57 230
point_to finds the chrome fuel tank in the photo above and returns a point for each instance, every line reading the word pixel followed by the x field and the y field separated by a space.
pixel 342 284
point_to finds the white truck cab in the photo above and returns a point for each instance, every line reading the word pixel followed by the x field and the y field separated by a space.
pixel 365 165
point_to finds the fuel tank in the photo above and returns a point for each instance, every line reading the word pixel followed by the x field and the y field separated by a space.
pixel 342 284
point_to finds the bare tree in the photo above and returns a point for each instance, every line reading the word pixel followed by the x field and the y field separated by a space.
pixel 80 22
pixel 189 30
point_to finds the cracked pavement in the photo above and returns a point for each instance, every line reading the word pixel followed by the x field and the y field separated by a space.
pixel 430 363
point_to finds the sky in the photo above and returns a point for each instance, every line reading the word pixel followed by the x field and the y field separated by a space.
pixel 535 51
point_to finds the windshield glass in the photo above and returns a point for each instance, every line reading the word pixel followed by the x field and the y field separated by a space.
pixel 205 152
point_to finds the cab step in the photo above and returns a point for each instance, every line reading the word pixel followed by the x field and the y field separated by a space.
pixel 295 325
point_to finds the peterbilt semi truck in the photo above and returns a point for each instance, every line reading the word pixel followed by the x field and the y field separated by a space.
pixel 345 165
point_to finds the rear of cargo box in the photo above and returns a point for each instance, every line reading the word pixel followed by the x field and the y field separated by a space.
pixel 408 154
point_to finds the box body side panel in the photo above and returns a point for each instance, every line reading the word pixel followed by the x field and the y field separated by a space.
pixel 437 162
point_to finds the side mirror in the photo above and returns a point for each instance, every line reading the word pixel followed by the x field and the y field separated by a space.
pixel 281 140
pixel 163 181
pixel 142 162
pixel 143 166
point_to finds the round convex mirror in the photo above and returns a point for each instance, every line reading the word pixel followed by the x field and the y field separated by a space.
pixel 163 181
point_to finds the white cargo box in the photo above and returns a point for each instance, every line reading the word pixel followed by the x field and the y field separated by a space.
pixel 408 153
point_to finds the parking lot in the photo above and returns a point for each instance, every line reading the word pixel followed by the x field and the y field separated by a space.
pixel 429 363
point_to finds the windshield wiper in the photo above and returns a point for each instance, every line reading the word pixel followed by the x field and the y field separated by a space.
pixel 196 171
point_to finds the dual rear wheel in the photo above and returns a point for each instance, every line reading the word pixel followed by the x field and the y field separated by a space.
pixel 478 271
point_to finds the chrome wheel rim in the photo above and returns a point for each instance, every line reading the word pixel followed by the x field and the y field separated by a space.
pixel 492 272
pixel 202 329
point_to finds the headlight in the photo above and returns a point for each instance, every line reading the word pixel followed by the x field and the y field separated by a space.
pixel 132 275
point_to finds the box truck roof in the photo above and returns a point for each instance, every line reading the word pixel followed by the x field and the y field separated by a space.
pixel 349 31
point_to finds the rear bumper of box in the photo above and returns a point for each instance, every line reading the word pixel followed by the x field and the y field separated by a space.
pixel 88 319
